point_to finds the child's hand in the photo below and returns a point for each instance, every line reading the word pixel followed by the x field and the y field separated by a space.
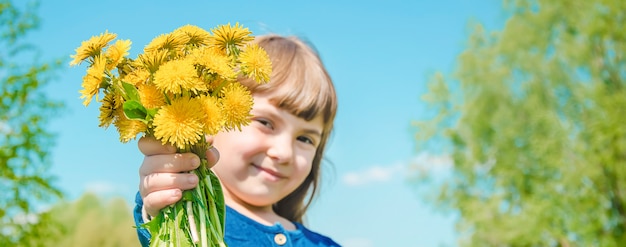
pixel 163 177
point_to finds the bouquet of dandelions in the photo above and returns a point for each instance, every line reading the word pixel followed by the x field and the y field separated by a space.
pixel 180 89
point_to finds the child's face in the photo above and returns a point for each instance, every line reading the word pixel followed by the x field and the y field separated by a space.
pixel 269 158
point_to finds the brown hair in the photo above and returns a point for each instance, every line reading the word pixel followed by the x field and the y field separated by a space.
pixel 300 84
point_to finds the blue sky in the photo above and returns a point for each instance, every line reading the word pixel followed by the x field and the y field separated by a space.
pixel 380 56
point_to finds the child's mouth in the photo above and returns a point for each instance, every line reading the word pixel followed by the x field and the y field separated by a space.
pixel 270 174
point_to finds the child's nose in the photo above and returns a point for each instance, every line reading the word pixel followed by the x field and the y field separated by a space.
pixel 281 149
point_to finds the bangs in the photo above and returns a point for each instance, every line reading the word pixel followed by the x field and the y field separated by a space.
pixel 299 84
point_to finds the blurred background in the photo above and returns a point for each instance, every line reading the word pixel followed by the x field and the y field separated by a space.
pixel 460 123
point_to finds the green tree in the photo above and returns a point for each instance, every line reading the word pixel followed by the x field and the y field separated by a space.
pixel 89 221
pixel 24 113
pixel 534 119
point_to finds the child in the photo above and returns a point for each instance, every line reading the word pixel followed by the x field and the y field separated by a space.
pixel 270 170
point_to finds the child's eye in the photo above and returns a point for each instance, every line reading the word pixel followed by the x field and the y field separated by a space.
pixel 305 140
pixel 265 123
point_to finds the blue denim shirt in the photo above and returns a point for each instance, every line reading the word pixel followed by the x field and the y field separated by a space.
pixel 243 231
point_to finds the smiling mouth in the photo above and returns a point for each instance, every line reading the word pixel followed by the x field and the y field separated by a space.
pixel 272 173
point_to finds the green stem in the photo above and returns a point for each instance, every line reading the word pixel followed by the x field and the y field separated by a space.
pixel 215 220
pixel 203 234
pixel 192 222
pixel 201 206
pixel 174 230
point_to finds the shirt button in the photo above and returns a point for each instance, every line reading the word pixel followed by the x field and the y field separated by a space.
pixel 280 239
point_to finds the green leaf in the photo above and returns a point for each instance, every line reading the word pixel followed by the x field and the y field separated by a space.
pixel 130 91
pixel 134 110
pixel 183 237
pixel 219 199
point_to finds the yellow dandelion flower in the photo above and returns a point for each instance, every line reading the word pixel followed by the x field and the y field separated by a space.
pixel 173 42
pixel 128 129
pixel 178 75
pixel 90 88
pixel 255 63
pixel 92 47
pixel 137 76
pixel 197 36
pixel 117 52
pixel 91 81
pixel 109 105
pixel 227 37
pixel 214 62
pixel 212 120
pixel 151 60
pixel 150 96
pixel 180 123
pixel 236 105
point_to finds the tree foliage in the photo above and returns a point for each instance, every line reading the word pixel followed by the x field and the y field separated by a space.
pixel 24 112
pixel 89 221
pixel 534 118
